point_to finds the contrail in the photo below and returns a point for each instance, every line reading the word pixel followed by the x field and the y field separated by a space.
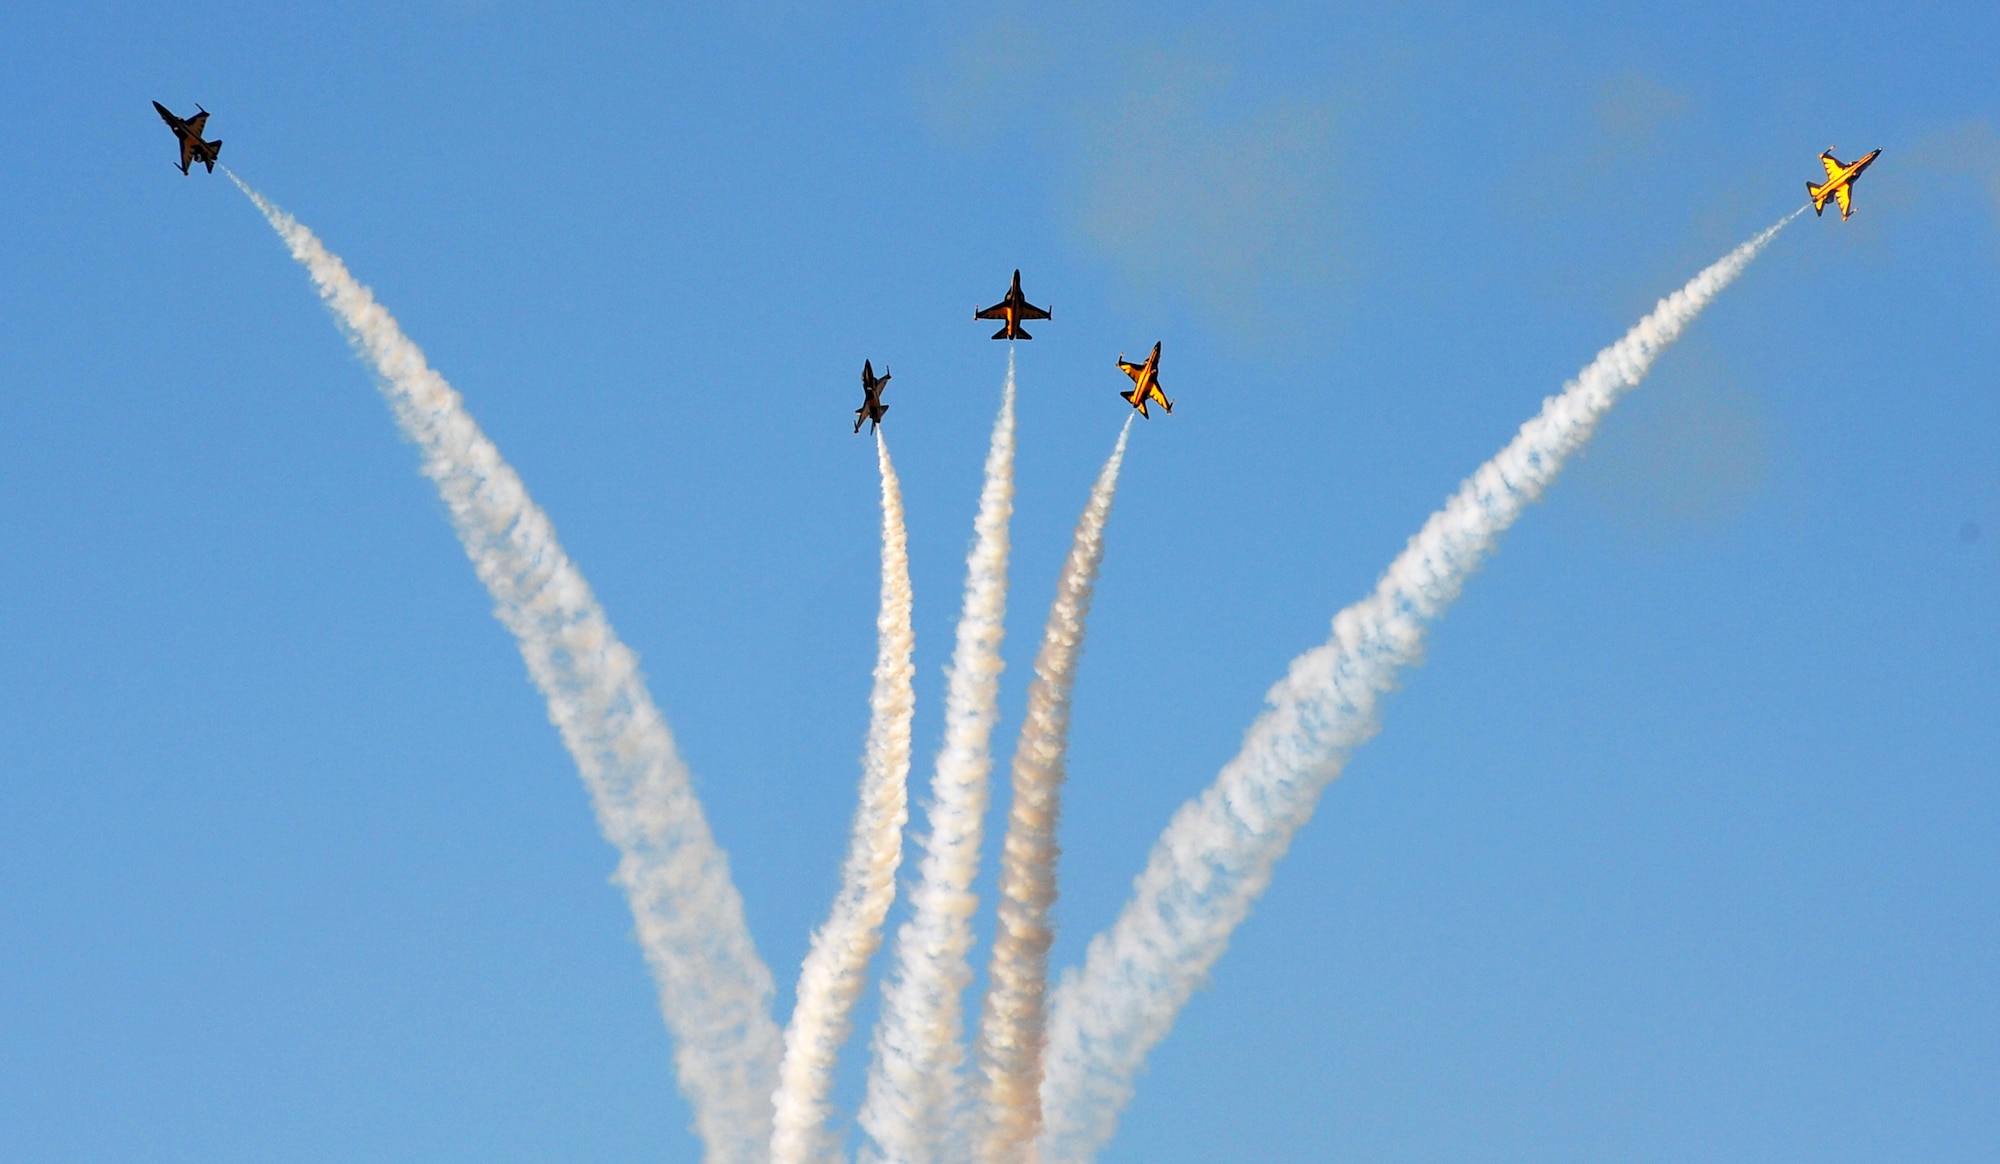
pixel 832 977
pixel 714 991
pixel 913 1085
pixel 1011 1031
pixel 1216 855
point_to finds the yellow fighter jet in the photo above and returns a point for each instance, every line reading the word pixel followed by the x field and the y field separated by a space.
pixel 1145 383
pixel 1839 183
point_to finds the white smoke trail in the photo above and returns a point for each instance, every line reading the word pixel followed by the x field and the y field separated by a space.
pixel 1216 855
pixel 1011 1033
pixel 832 977
pixel 715 993
pixel 913 1085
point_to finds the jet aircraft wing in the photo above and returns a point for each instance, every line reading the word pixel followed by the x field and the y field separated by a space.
pixel 997 311
pixel 1833 167
pixel 196 123
pixel 187 152
pixel 1844 194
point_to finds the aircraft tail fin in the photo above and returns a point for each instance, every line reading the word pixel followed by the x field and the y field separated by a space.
pixel 1137 401
pixel 1012 331
pixel 1818 196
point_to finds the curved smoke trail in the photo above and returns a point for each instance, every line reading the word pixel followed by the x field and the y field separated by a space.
pixel 913 1085
pixel 832 977
pixel 1011 1033
pixel 1216 855
pixel 714 991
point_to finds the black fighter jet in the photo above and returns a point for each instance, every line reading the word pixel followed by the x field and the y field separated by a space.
pixel 872 408
pixel 193 149
pixel 1013 309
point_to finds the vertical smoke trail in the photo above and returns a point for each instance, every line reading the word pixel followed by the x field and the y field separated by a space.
pixel 1011 1025
pixel 913 1085
pixel 1216 855
pixel 833 974
pixel 714 991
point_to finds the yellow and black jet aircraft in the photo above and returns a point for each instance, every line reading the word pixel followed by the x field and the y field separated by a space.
pixel 193 149
pixel 872 408
pixel 1145 383
pixel 1013 309
pixel 1839 183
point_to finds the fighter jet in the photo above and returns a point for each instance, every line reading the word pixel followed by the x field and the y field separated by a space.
pixel 872 408
pixel 1145 383
pixel 1839 183
pixel 1013 309
pixel 193 149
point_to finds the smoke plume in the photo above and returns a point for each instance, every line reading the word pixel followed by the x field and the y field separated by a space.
pixel 837 962
pixel 1216 855
pixel 914 1084
pixel 1011 1031
pixel 715 993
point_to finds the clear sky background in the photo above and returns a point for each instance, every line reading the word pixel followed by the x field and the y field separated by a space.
pixel 1683 844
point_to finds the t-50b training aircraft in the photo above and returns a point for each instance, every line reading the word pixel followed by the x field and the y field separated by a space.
pixel 1013 309
pixel 1839 183
pixel 1145 383
pixel 193 149
pixel 872 408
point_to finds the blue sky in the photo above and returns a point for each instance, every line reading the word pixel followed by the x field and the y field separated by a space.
pixel 1682 844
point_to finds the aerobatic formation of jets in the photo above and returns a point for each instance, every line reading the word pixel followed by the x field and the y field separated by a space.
pixel 193 149
pixel 1014 306
pixel 1011 310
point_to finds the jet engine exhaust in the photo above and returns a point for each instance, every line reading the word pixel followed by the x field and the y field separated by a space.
pixel 915 1079
pixel 1011 1029
pixel 715 992
pixel 1217 854
pixel 837 962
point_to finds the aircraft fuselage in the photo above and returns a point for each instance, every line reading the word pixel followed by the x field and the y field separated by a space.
pixel 1849 173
